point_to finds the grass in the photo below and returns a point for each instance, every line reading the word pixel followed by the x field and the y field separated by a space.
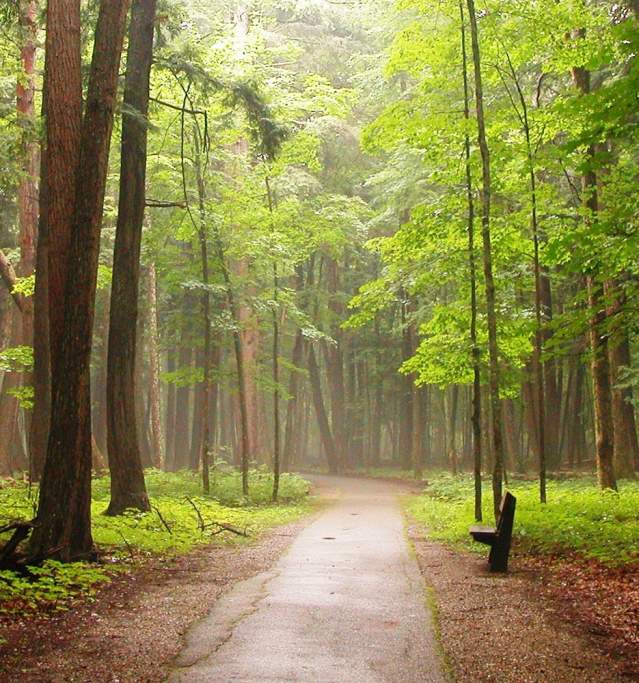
pixel 174 526
pixel 578 517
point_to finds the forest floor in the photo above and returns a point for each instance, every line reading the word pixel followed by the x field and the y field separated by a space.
pixel 554 617
pixel 549 619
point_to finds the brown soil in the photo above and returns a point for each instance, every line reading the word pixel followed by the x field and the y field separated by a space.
pixel 549 620
pixel 134 628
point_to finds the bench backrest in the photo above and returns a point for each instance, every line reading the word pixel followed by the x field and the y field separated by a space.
pixel 506 515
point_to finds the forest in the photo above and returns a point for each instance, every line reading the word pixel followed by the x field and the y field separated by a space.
pixel 261 255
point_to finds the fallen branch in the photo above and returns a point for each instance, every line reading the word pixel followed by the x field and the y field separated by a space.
pixel 226 527
pixel 201 524
pixel 164 522
pixel 128 545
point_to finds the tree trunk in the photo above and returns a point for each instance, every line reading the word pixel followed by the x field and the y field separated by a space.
pixel 181 433
pixel 406 396
pixel 291 436
pixel 169 427
pixel 600 364
pixel 63 527
pixel 326 434
pixel 128 489
pixel 493 349
pixel 155 398
pixel 472 267
pixel 9 404
pixel 626 448
pixel 27 192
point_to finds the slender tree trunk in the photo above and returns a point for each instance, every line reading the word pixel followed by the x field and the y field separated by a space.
pixel 181 432
pixel 498 456
pixel 277 463
pixel 9 404
pixel 418 432
pixel 600 367
pixel 27 193
pixel 406 399
pixel 169 426
pixel 155 398
pixel 472 267
pixel 63 528
pixel 291 435
pixel 205 446
pixel 626 448
pixel 453 396
pixel 326 434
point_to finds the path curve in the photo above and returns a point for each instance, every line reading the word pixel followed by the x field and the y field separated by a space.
pixel 346 604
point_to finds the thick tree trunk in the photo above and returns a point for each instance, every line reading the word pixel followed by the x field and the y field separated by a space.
pixel 63 527
pixel 128 489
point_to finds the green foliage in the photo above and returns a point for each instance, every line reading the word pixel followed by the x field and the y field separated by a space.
pixel 176 499
pixel 25 286
pixel 580 518
pixel 16 359
pixel 54 585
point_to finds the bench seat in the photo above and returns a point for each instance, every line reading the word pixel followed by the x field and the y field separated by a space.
pixel 499 537
pixel 484 534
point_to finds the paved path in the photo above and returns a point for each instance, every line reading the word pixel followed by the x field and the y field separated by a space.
pixel 346 604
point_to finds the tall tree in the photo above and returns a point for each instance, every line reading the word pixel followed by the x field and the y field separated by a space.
pixel 78 148
pixel 600 363
pixel 493 349
pixel 128 489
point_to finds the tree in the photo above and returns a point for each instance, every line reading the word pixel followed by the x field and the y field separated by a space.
pixel 77 148
pixel 493 349
pixel 128 489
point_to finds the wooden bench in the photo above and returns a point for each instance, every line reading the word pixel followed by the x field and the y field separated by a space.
pixel 498 538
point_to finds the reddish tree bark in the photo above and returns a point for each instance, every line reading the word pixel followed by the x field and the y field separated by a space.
pixel 128 489
pixel 63 528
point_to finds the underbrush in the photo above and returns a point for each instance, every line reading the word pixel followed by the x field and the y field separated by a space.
pixel 578 517
pixel 180 519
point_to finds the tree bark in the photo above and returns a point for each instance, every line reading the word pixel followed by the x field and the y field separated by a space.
pixel 291 436
pixel 181 432
pixel 63 528
pixel 155 397
pixel 600 364
pixel 128 489
pixel 169 426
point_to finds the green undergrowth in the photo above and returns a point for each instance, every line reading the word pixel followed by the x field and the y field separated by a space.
pixel 578 517
pixel 181 518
